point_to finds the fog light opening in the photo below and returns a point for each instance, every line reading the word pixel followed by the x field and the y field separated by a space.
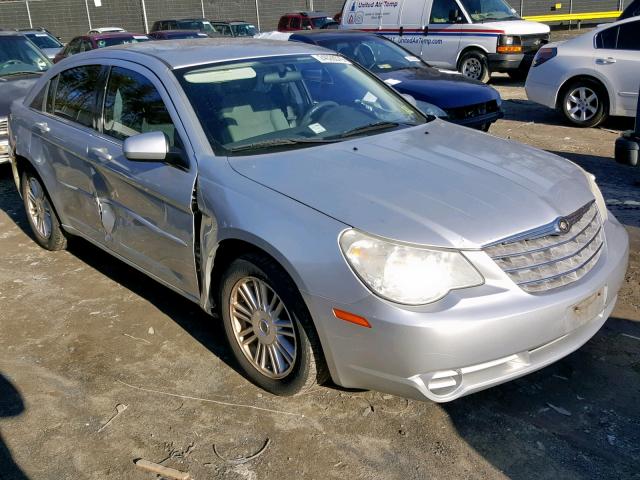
pixel 445 383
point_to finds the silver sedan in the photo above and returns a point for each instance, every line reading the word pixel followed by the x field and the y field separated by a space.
pixel 335 230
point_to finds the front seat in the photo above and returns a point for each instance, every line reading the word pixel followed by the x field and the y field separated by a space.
pixel 248 111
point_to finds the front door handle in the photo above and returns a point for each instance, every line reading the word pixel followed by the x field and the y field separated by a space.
pixel 100 154
pixel 605 61
pixel 42 127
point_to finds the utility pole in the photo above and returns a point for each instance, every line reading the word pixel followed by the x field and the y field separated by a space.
pixel 258 15
pixel 86 4
pixel 144 17
pixel 26 2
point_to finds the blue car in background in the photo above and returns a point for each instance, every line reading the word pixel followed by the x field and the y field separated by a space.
pixel 446 95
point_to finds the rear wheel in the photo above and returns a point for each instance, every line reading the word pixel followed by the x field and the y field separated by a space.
pixel 269 328
pixel 584 104
pixel 475 65
pixel 43 220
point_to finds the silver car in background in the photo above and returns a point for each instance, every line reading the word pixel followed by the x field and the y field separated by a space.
pixel 335 229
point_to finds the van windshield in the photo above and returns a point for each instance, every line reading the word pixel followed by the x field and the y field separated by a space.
pixel 290 102
pixel 489 10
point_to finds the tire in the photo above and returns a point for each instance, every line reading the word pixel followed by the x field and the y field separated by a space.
pixel 43 220
pixel 519 75
pixel 292 361
pixel 584 103
pixel 475 65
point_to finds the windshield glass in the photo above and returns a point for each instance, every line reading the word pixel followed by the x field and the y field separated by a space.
pixel 489 10
pixel 375 54
pixel 44 40
pixel 244 30
pixel 110 42
pixel 18 55
pixel 319 22
pixel 249 106
pixel 200 25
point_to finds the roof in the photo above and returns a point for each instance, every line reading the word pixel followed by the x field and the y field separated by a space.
pixel 313 14
pixel 327 34
pixel 113 35
pixel 183 53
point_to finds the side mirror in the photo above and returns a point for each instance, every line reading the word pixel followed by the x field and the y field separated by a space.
pixel 455 16
pixel 410 99
pixel 147 147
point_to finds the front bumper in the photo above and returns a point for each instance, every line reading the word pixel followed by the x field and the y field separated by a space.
pixel 508 62
pixel 478 122
pixel 473 338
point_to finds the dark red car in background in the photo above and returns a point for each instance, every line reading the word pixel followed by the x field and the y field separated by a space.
pixel 292 22
pixel 84 43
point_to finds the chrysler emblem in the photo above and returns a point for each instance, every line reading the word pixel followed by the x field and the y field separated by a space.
pixel 563 226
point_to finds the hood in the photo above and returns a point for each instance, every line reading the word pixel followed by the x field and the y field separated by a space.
pixel 518 27
pixel 446 90
pixel 14 87
pixel 452 187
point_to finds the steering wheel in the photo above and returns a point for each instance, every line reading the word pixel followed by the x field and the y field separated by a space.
pixel 8 63
pixel 308 117
pixel 365 56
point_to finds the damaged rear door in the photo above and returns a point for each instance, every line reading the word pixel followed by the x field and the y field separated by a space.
pixel 145 208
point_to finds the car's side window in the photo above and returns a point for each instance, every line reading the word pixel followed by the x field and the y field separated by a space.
pixel 628 37
pixel 48 107
pixel 76 94
pixel 295 23
pixel 444 11
pixel 133 105
pixel 607 38
pixel 74 47
pixel 38 101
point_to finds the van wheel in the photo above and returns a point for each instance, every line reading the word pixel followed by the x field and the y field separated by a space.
pixel 269 328
pixel 475 65
pixel 584 103
pixel 43 219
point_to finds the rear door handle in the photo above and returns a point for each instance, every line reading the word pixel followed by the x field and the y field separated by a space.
pixel 605 61
pixel 42 127
pixel 100 154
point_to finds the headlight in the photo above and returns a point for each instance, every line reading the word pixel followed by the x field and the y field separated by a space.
pixel 430 109
pixel 406 274
pixel 602 206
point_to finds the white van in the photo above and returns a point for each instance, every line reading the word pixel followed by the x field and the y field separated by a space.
pixel 475 37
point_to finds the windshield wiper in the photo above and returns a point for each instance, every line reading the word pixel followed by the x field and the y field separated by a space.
pixel 279 142
pixel 25 72
pixel 371 127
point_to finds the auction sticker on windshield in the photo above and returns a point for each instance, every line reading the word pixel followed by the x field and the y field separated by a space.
pixel 331 59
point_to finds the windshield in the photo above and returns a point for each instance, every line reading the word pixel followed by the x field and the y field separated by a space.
pixel 44 40
pixel 200 25
pixel 290 101
pixel 110 42
pixel 489 10
pixel 244 30
pixel 375 54
pixel 319 22
pixel 19 55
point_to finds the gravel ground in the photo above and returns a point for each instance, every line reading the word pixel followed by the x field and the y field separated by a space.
pixel 82 333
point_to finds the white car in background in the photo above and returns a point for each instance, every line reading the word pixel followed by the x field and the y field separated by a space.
pixel 98 31
pixel 591 76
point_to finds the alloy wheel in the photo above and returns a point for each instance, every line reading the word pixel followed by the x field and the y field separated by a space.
pixel 263 327
pixel 582 104
pixel 39 209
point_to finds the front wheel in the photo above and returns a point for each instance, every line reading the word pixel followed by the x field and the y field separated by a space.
pixel 583 104
pixel 269 328
pixel 475 65
pixel 43 220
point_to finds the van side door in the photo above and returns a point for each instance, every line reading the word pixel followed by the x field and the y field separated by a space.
pixel 443 40
pixel 412 33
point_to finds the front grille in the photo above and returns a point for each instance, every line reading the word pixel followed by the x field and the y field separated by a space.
pixel 472 111
pixel 545 258
pixel 4 127
pixel 532 43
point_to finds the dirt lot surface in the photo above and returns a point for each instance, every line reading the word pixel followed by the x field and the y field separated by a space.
pixel 81 334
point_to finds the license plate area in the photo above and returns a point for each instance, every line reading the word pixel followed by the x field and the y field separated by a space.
pixel 586 310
